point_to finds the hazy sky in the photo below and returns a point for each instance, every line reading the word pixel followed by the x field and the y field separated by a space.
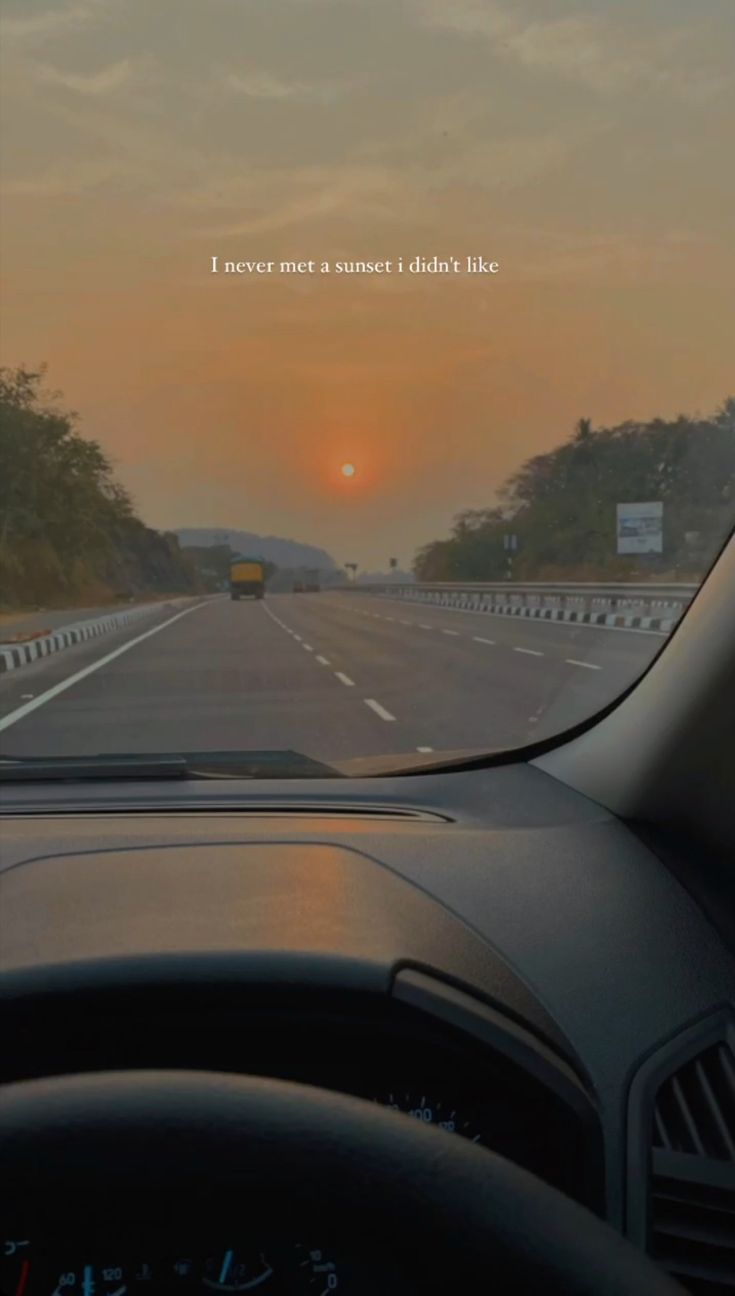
pixel 585 146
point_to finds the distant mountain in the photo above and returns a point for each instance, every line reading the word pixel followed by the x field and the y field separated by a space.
pixel 284 553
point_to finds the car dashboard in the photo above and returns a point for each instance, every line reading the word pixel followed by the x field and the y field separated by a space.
pixel 488 952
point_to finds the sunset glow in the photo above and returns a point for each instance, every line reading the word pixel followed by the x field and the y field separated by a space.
pixel 501 132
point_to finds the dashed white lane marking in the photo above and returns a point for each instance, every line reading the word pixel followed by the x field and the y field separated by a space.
pixel 378 709
pixel 424 749
pixel 323 661
pixel 542 621
pixel 345 679
pixel 61 687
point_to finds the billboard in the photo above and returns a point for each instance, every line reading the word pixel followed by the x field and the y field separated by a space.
pixel 640 528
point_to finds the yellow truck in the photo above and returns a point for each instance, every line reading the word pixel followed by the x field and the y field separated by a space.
pixel 247 578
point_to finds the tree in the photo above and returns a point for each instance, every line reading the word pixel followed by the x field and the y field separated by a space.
pixel 562 505
pixel 67 527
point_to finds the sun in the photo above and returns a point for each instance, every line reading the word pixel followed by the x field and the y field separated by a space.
pixel 347 470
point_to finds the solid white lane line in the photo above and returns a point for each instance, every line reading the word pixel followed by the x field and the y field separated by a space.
pixel 323 661
pixel 424 749
pixel 378 709
pixel 345 679
pixel 63 685
pixel 479 639
pixel 572 661
pixel 451 632
pixel 530 652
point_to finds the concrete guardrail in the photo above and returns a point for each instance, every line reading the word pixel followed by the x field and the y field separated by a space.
pixel 13 655
pixel 623 606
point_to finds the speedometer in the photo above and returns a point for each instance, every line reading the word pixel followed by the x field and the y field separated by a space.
pixel 278 1267
pixel 431 1111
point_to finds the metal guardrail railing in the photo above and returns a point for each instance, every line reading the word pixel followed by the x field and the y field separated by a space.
pixel 642 606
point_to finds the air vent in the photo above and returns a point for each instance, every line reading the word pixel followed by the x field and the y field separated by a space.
pixel 691 1217
pixel 695 1108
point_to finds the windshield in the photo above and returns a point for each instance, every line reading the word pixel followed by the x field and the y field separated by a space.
pixel 368 371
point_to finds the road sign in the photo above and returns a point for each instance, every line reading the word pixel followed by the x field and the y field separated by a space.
pixel 640 528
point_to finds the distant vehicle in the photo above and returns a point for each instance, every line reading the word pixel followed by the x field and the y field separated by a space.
pixel 298 587
pixel 247 578
pixel 311 582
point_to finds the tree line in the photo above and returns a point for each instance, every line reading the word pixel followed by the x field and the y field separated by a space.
pixel 68 529
pixel 561 506
pixel 212 564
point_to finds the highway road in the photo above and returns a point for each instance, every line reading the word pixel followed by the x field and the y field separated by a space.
pixel 330 675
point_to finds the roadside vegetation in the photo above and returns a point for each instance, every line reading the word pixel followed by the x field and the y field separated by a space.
pixel 212 564
pixel 68 529
pixel 561 506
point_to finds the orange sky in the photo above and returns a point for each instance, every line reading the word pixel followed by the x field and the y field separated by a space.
pixel 584 146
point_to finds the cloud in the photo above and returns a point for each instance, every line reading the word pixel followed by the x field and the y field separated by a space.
pixel 263 85
pixel 292 197
pixel 55 22
pixel 465 17
pixel 568 259
pixel 514 160
pixel 583 48
pixel 114 77
pixel 65 179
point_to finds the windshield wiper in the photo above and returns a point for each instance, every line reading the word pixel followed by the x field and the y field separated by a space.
pixel 183 765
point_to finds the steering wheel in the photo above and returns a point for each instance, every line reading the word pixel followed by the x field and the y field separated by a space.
pixel 141 1156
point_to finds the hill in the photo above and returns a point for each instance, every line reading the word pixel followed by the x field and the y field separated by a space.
pixel 282 553
pixel 69 532
pixel 561 507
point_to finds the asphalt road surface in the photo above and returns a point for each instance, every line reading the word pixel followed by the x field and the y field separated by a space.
pixel 332 675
